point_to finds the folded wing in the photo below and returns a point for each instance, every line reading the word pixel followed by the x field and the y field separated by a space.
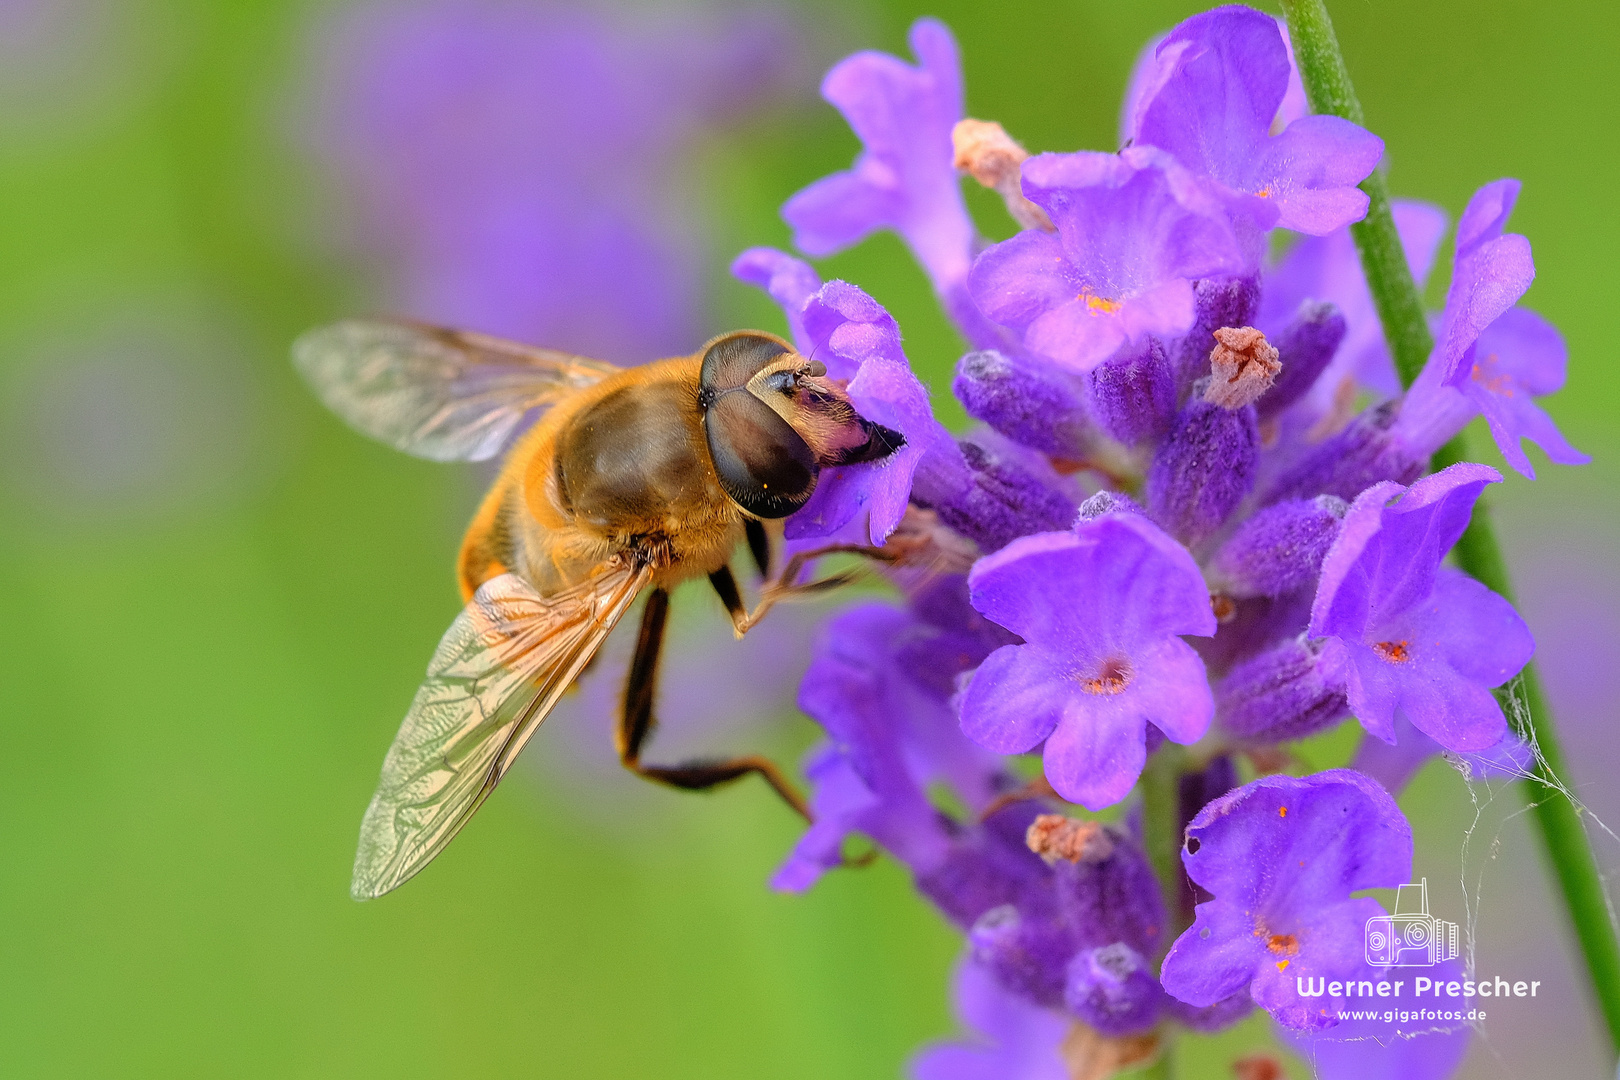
pixel 500 668
pixel 445 395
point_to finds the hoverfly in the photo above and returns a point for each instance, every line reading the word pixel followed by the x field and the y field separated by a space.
pixel 631 480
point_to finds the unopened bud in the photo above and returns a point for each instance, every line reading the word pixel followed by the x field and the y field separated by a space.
pixel 1243 366
pixel 987 153
pixel 1057 838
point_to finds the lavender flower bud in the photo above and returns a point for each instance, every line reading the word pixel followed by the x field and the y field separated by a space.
pixel 1037 406
pixel 1220 302
pixel 1305 347
pixel 1106 502
pixel 1133 393
pixel 1350 462
pixel 1028 956
pixel 1279 549
pixel 1203 469
pixel 1112 989
pixel 1000 502
pixel 1279 695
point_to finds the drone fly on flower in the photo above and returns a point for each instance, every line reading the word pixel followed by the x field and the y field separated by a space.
pixel 632 480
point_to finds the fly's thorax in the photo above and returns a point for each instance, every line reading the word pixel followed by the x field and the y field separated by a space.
pixel 631 463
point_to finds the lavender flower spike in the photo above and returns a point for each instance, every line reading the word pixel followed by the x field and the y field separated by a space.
pixel 1282 856
pixel 1221 80
pixel 1133 231
pixel 1407 635
pixel 1100 611
pixel 904 179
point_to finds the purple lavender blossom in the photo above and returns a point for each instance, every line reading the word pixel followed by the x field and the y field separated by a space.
pixel 903 179
pixel 511 163
pixel 1281 856
pixel 1405 634
pixel 1328 269
pixel 1220 82
pixel 859 342
pixel 1373 1049
pixel 1100 611
pixel 892 735
pixel 1012 1038
pixel 1133 232
pixel 1395 766
pixel 1490 356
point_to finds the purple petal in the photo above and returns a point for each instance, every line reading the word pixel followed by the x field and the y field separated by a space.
pixel 1010 704
pixel 1518 357
pixel 1485 217
pixel 1384 560
pixel 1018 1040
pixel 1097 752
pixel 787 280
pixel 1214 110
pixel 1311 170
pixel 904 179
pixel 1485 286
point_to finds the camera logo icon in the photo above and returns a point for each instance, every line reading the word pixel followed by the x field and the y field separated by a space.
pixel 1411 937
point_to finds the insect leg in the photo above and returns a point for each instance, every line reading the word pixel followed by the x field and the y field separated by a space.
pixel 726 586
pixel 636 719
pixel 759 545
pixel 788 585
pixel 636 722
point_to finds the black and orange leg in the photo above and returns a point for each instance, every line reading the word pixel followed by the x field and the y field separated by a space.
pixel 636 722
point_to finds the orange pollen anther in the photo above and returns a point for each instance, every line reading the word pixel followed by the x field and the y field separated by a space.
pixel 1283 944
pixel 1396 652
pixel 1098 305
pixel 1114 677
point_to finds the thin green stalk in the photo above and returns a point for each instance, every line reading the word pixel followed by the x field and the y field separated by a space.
pixel 1400 309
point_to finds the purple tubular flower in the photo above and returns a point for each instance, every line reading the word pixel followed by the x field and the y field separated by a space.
pixel 892 735
pixel 1133 231
pixel 1327 268
pixel 1305 347
pixel 1030 403
pixel 1406 635
pixel 1203 469
pixel 790 282
pixel 1015 1038
pixel 1091 675
pixel 1394 766
pixel 859 342
pixel 903 179
pixel 1133 392
pixel 1222 78
pixel 1491 357
pixel 1279 694
pixel 1280 548
pixel 1368 451
pixel 1281 856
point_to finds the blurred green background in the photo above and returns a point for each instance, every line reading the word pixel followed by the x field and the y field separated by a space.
pixel 217 601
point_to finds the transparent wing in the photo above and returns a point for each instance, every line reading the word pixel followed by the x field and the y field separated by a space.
pixel 445 395
pixel 498 671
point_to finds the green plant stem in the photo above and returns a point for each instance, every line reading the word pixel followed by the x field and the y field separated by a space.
pixel 1400 309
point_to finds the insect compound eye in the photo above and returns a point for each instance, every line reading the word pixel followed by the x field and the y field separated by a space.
pixel 763 464
pixel 735 358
